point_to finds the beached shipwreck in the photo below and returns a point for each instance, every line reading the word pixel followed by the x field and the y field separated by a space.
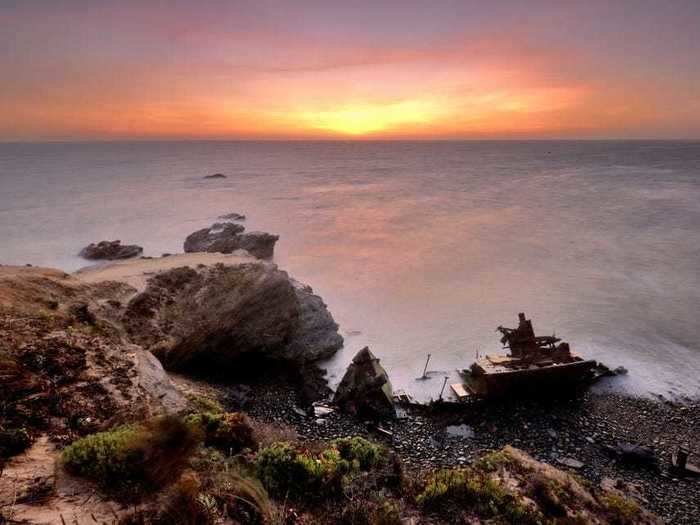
pixel 534 365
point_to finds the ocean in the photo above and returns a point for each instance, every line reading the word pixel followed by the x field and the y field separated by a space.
pixel 417 247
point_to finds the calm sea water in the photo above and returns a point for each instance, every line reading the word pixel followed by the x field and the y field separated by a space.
pixel 417 247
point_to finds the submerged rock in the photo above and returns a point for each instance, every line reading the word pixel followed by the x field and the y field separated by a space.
pixel 229 237
pixel 233 217
pixel 110 250
pixel 365 389
pixel 216 318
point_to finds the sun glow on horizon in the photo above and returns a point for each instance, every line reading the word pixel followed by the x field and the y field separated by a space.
pixel 231 70
pixel 368 118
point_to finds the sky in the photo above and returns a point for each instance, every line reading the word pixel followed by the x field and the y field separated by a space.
pixel 404 69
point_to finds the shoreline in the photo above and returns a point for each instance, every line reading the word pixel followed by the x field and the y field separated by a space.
pixel 579 428
pixel 571 434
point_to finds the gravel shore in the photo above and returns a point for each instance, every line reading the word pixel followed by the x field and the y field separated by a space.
pixel 573 432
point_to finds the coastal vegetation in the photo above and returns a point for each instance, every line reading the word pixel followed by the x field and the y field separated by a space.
pixel 130 458
pixel 230 432
pixel 299 472
pixel 348 481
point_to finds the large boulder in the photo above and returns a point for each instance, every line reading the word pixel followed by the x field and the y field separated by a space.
pixel 228 237
pixel 214 319
pixel 258 244
pixel 110 250
pixel 365 389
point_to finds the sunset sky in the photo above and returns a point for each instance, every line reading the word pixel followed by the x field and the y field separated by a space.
pixel 100 70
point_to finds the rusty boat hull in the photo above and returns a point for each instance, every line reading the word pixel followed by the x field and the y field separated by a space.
pixel 491 377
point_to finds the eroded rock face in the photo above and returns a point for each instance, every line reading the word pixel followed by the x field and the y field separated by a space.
pixel 110 250
pixel 66 370
pixel 365 389
pixel 229 237
pixel 215 317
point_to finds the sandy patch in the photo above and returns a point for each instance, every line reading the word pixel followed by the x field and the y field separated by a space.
pixel 136 272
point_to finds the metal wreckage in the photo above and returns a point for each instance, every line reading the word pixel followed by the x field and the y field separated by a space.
pixel 534 365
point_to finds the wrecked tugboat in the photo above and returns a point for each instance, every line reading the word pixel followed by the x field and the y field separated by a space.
pixel 535 365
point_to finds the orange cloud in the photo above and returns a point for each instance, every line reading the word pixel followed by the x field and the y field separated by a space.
pixel 267 84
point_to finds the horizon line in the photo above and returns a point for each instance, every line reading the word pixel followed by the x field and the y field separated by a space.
pixel 347 140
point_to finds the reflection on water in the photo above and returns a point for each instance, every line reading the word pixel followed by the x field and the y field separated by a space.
pixel 417 247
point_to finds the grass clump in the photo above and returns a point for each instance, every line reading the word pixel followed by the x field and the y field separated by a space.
pixel 387 513
pixel 219 495
pixel 472 489
pixel 492 461
pixel 621 510
pixel 229 432
pixel 134 457
pixel 369 512
pixel 549 495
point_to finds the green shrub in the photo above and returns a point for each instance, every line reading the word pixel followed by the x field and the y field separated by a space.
pixel 470 489
pixel 357 449
pixel 493 461
pixel 133 457
pixel 103 456
pixel 230 432
pixel 14 441
pixel 286 469
pixel 202 403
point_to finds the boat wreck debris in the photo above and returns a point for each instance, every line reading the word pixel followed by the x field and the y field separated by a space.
pixel 534 365
pixel 365 389
pixel 681 466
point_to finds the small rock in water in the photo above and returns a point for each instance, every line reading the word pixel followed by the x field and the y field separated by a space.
pixel 227 237
pixel 233 216
pixel 110 250
pixel 215 176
